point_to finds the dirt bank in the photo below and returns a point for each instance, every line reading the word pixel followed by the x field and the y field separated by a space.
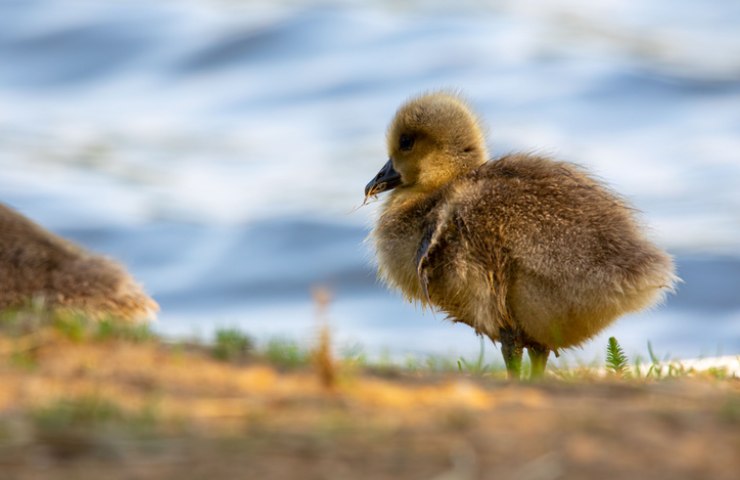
pixel 141 409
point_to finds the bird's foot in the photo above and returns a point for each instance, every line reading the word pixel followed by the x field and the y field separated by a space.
pixel 538 360
pixel 512 350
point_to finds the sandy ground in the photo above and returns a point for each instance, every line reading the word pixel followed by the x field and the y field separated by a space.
pixel 115 409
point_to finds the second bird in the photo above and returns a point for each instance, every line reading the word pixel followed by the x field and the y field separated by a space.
pixel 531 252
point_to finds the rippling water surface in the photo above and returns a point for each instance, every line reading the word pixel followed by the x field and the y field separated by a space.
pixel 220 148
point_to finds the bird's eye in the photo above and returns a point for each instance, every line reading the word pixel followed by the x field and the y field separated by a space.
pixel 406 142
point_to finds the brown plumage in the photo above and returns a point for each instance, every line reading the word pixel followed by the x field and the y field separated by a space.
pixel 531 252
pixel 36 265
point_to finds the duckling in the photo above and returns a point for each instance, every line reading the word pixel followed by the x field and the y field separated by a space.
pixel 35 264
pixel 532 252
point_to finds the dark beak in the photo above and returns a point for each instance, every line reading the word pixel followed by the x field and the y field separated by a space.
pixel 386 179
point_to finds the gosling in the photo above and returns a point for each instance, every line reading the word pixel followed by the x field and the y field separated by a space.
pixel 531 252
pixel 38 266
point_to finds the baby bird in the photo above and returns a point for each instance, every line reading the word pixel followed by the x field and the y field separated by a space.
pixel 35 264
pixel 533 253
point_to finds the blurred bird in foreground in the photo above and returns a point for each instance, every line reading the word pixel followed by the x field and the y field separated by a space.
pixel 36 265
pixel 533 253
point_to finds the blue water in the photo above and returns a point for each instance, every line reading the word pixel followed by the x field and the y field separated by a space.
pixel 219 149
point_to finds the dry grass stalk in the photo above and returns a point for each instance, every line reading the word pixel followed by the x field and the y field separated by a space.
pixel 323 358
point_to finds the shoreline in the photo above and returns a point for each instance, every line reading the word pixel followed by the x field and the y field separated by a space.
pixel 114 401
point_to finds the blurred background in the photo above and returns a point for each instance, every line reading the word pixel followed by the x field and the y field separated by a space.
pixel 219 148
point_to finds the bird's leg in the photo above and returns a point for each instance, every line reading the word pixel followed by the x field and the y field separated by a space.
pixel 512 350
pixel 538 359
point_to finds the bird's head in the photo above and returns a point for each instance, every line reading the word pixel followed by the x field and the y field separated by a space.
pixel 433 139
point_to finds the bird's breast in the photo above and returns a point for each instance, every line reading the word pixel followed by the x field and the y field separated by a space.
pixel 397 236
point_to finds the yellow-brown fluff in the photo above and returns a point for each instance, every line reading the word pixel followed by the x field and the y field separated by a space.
pixel 36 265
pixel 529 251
